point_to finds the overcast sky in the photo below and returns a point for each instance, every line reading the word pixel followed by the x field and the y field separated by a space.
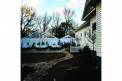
pixel 52 6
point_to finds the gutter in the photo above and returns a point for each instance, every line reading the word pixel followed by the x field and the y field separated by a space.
pixel 88 14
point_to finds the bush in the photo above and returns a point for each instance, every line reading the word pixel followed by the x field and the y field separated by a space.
pixel 86 51
pixel 89 61
pixel 78 45
pixel 90 56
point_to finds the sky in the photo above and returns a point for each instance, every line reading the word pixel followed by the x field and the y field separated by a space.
pixel 57 6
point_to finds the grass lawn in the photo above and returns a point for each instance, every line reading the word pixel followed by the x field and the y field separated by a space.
pixel 39 57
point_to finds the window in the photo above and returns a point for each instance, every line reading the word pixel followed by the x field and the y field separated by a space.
pixel 81 34
pixel 94 26
pixel 94 29
pixel 85 33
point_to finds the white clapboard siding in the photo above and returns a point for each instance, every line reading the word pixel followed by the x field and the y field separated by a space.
pixel 98 28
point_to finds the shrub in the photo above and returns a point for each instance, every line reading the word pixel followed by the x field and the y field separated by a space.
pixel 78 45
pixel 86 51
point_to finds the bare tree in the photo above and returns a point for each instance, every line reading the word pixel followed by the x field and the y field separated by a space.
pixel 27 20
pixel 92 36
pixel 46 21
pixel 68 16
pixel 55 23
pixel 56 20
pixel 62 28
pixel 39 22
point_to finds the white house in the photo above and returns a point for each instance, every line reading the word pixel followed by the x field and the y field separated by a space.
pixel 91 28
pixel 81 34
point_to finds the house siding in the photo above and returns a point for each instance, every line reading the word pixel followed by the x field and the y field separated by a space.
pixel 98 28
pixel 82 39
pixel 96 18
pixel 85 40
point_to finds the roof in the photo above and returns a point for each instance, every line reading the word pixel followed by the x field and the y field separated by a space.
pixel 90 9
pixel 85 24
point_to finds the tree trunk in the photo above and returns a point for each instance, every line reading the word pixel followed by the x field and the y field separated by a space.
pixel 93 45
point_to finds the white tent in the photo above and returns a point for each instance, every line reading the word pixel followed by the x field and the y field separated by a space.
pixel 39 42
pixel 43 40
pixel 67 39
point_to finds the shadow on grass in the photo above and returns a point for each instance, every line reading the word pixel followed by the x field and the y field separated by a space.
pixel 39 57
